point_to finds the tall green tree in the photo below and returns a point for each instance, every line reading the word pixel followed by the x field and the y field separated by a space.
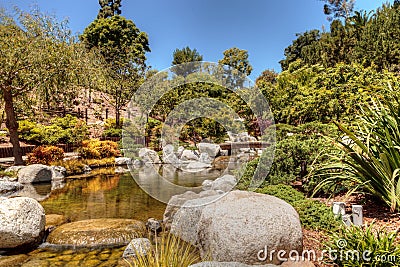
pixel 109 8
pixel 185 55
pixel 123 47
pixel 299 47
pixel 238 59
pixel 32 52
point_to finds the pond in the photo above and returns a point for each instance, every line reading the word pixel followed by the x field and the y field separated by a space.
pixel 103 194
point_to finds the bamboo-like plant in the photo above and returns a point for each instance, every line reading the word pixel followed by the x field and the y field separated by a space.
pixel 372 157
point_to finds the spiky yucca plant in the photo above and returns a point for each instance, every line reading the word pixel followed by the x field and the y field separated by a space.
pixel 372 157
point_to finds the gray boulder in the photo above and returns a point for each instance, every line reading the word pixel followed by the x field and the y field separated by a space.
pixel 196 165
pixel 137 247
pixel 59 172
pixel 35 173
pixel 123 161
pixel 149 156
pixel 189 155
pixel 169 155
pixel 240 224
pixel 186 219
pixel 205 158
pixel 22 222
pixel 153 225
pixel 7 187
pixel 175 203
pixel 224 183
pixel 211 149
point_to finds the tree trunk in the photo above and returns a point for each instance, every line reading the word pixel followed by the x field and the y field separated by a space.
pixel 117 116
pixel 12 126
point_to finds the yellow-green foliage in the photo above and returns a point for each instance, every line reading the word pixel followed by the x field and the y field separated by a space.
pixel 45 155
pixel 96 149
pixel 171 252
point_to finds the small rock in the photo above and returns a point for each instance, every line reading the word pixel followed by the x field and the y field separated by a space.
pixel 211 149
pixel 121 169
pixel 189 155
pixel 224 183
pixel 138 246
pixel 58 172
pixel 205 158
pixel 206 185
pixel 153 225
pixel 149 156
pixel 86 169
pixel 197 165
pixel 8 187
pixel 123 161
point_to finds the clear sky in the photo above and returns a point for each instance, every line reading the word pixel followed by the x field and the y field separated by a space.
pixel 263 27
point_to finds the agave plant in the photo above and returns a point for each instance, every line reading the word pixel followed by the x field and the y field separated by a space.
pixel 372 157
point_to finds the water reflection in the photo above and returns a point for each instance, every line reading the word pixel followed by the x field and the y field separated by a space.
pixel 116 195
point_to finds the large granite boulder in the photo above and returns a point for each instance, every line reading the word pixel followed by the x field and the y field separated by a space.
pixel 178 201
pixel 186 219
pixel 35 173
pixel 211 149
pixel 22 222
pixel 96 233
pixel 149 156
pixel 240 224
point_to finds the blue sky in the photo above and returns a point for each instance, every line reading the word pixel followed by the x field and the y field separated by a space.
pixel 263 27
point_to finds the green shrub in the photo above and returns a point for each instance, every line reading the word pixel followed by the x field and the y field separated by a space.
pixel 372 157
pixel 379 247
pixel 96 149
pixel 45 155
pixel 65 130
pixel 313 214
pixel 299 151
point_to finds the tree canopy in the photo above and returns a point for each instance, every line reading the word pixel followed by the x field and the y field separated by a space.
pixel 109 8
pixel 182 56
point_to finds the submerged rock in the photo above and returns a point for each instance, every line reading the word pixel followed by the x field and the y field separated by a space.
pixel 97 233
pixel 22 222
